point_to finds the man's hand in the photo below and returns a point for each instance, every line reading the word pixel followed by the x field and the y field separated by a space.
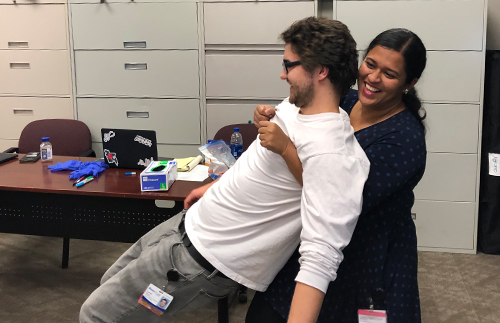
pixel 196 194
pixel 262 113
pixel 273 138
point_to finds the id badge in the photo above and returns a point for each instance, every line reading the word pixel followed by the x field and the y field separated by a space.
pixel 155 300
pixel 372 316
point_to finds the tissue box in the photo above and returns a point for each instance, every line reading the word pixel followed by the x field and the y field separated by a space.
pixel 159 176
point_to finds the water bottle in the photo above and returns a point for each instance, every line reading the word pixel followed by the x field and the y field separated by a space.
pixel 236 143
pixel 46 149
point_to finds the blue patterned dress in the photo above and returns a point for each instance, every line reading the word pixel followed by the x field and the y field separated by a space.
pixel 381 260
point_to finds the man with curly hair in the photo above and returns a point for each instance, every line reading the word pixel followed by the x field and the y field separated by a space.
pixel 244 227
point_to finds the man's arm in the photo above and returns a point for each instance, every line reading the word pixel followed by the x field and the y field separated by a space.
pixel 331 204
pixel 196 194
pixel 306 304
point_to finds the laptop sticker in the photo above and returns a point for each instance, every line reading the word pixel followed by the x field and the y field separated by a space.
pixel 144 141
pixel 108 136
pixel 111 157
pixel 145 162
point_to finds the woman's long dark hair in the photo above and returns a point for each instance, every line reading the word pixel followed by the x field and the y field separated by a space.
pixel 414 54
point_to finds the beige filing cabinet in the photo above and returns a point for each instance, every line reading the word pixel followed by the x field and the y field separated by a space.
pixel 137 66
pixel 34 64
pixel 243 56
pixel 451 87
pixel 182 68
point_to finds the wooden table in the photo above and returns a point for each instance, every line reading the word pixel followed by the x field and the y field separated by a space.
pixel 36 201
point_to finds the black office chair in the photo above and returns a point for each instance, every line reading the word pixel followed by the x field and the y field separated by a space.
pixel 68 138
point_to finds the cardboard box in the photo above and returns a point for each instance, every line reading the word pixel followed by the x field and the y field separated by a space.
pixel 158 176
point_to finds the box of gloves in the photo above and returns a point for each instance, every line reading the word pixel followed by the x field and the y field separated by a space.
pixel 158 176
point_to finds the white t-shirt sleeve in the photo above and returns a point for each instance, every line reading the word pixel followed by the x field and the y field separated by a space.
pixel 330 207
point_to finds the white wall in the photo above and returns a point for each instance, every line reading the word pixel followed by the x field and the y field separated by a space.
pixel 493 28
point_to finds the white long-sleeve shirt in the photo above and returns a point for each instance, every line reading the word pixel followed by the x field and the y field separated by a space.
pixel 249 223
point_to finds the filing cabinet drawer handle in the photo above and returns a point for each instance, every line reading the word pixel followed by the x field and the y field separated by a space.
pixel 134 44
pixel 19 65
pixel 136 66
pixel 18 44
pixel 137 114
pixel 23 112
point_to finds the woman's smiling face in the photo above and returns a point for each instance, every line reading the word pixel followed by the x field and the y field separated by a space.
pixel 382 77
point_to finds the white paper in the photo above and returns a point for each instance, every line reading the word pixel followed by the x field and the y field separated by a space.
pixel 197 174
pixel 494 160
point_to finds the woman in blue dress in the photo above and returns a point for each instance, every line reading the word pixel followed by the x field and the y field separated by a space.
pixel 379 269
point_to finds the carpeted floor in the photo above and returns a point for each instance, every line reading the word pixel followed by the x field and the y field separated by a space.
pixel 454 288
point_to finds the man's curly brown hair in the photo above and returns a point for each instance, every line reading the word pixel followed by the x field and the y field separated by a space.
pixel 328 43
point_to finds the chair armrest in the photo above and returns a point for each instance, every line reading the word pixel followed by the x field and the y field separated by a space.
pixel 12 150
pixel 88 153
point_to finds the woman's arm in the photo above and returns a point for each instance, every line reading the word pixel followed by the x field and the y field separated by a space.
pixel 397 162
pixel 293 162
pixel 262 113
pixel 273 138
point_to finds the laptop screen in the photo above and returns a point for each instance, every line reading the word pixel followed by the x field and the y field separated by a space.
pixel 128 148
pixel 6 157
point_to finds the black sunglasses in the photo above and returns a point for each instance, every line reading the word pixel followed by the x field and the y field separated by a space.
pixel 287 65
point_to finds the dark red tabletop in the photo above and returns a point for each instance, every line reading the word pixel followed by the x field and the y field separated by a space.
pixel 36 177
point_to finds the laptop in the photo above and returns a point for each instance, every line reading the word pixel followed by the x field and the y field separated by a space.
pixel 6 157
pixel 125 148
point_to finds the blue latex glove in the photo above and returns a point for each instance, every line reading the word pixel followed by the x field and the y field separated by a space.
pixel 89 168
pixel 68 165
pixel 80 169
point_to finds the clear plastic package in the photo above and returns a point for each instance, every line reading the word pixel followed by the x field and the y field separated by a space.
pixel 220 155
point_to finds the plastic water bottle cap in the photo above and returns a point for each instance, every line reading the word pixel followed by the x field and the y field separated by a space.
pixel 45 139
pixel 209 141
pixel 236 129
